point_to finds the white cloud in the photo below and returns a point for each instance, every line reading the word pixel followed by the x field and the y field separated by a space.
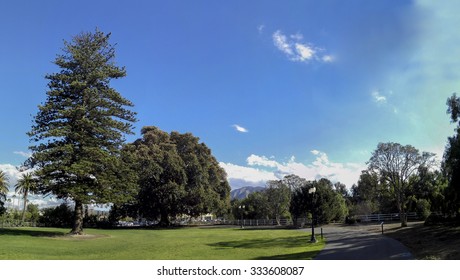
pixel 241 176
pixel 254 160
pixel 13 176
pixel 315 152
pixel 240 128
pixel 12 172
pixel 378 97
pixel 282 44
pixel 296 49
pixel 260 169
pixel 304 52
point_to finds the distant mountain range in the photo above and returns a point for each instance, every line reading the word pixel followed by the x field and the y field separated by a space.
pixel 243 192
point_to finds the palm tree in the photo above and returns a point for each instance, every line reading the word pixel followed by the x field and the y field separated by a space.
pixel 3 184
pixel 26 184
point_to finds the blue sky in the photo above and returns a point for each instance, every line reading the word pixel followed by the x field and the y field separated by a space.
pixel 304 87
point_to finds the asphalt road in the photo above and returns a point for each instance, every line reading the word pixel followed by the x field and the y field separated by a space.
pixel 358 243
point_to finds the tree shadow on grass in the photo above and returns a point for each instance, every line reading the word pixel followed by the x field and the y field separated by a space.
pixel 29 232
pixel 283 242
pixel 296 242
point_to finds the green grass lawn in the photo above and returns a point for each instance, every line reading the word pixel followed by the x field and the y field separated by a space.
pixel 207 243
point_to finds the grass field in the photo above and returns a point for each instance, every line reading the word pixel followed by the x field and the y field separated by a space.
pixel 211 243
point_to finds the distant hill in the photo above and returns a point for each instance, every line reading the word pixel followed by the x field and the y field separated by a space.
pixel 243 192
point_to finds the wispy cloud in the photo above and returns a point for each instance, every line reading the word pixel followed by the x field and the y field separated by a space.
pixel 294 47
pixel 281 42
pixel 378 97
pixel 24 154
pixel 240 128
pixel 328 58
pixel 260 169
pixel 261 28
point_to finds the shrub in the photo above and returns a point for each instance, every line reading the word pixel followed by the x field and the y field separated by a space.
pixel 423 209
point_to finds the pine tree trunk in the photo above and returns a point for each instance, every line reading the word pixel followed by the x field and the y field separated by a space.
pixel 78 218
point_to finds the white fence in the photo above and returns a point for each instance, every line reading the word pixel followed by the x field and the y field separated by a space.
pixel 385 217
pixel 257 222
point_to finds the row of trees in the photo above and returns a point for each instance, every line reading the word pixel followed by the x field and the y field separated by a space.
pixel 398 179
pixel 293 197
pixel 403 179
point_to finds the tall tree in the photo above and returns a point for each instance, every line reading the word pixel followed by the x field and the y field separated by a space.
pixel 278 198
pixel 26 185
pixel 177 175
pixel 294 182
pixel 451 159
pixel 329 205
pixel 207 189
pixel 162 176
pixel 79 131
pixel 397 165
pixel 324 205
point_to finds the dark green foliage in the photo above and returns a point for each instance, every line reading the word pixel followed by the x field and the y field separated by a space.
pixel 33 214
pixel 162 177
pixel 451 160
pixel 206 189
pixel 61 216
pixel 371 196
pixel 177 175
pixel 78 132
pixel 255 207
pixel 325 204
pixel 301 202
pixel 118 212
pixel 431 186
pixel 423 207
pixel 328 204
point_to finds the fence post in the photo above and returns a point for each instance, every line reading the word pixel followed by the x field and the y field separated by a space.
pixel 382 227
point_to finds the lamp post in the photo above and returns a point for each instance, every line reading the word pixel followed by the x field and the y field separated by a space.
pixel 241 207
pixel 312 191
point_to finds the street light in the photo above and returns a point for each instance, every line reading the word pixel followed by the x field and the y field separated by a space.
pixel 312 191
pixel 241 207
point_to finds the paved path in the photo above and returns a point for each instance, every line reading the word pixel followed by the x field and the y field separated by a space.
pixel 357 243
